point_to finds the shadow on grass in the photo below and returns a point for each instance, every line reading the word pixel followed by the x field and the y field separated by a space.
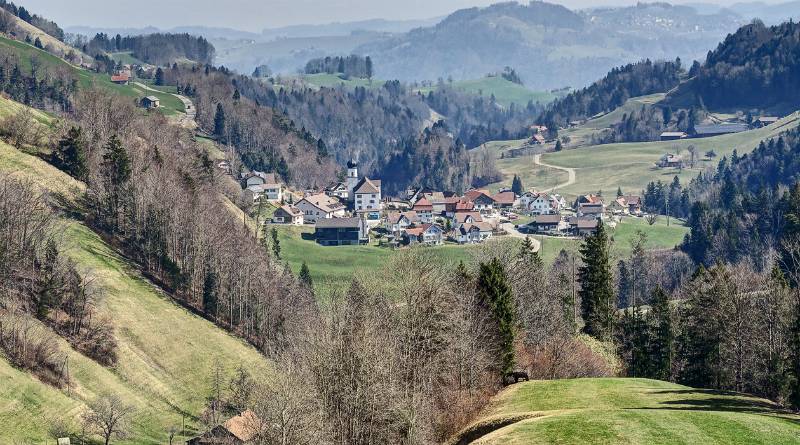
pixel 726 401
pixel 307 236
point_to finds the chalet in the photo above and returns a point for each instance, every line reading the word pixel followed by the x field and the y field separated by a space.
pixel 467 218
pixel 239 430
pixel 121 79
pixel 504 200
pixel 673 135
pixel 592 210
pixel 546 224
pixel 150 102
pixel 337 190
pixel 537 139
pixel 427 234
pixel 424 209
pixel 451 205
pixel 618 207
pixel 288 214
pixel 341 231
pixel 634 204
pixel 320 206
pixel 258 178
pixel 473 233
pixel 765 121
pixel 398 222
pixel 544 204
pixel 587 199
pixel 464 206
pixel 583 226
pixel 481 200
pixel 670 160
pixel 707 131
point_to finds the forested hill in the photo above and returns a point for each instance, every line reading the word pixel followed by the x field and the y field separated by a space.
pixel 758 66
pixel 745 208
pixel 613 90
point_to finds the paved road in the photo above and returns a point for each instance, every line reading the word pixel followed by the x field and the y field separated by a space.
pixel 537 159
pixel 514 233
pixel 188 118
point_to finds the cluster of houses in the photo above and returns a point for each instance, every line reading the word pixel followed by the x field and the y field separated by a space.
pixel 124 76
pixel 346 212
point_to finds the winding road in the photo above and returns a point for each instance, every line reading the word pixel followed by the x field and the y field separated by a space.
pixel 537 159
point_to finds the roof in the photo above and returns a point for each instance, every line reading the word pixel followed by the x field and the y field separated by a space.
pixel 323 202
pixel 244 426
pixel 673 134
pixel 152 98
pixel 367 185
pixel 290 210
pixel 464 205
pixel 505 198
pixel 538 138
pixel 462 217
pixel 771 119
pixel 416 231
pixel 394 217
pixel 583 223
pixel 591 208
pixel 122 77
pixel 546 219
pixel 339 223
pixel 632 200
pixel 267 177
pixel 472 195
pixel 422 205
pixel 721 128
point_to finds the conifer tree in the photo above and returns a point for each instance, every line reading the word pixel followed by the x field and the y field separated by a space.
pixel 516 185
pixel 305 276
pixel 159 80
pixel 597 285
pixel 662 336
pixel 276 243
pixel 495 294
pixel 70 154
pixel 116 172
pixel 219 121
pixel 210 294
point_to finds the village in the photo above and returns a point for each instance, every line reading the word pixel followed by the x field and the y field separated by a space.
pixel 355 212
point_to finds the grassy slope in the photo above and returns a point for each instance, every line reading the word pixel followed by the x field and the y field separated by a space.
pixel 504 91
pixel 636 411
pixel 627 165
pixel 170 104
pixel 165 352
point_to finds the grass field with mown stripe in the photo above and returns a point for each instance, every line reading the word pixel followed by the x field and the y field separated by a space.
pixel 610 411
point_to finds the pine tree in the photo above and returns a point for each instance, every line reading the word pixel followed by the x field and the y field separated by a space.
pixel 70 155
pixel 662 336
pixel 559 147
pixel 305 276
pixel 495 294
pixel 219 121
pixel 619 192
pixel 597 285
pixel 236 95
pixel 116 172
pixel 38 43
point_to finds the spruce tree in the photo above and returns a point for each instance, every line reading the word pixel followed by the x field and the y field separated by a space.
pixel 219 121
pixel 662 336
pixel 494 292
pixel 159 80
pixel 116 172
pixel 305 276
pixel 70 155
pixel 276 243
pixel 597 285
pixel 210 294
pixel 516 185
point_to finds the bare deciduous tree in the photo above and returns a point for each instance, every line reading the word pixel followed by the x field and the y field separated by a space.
pixel 109 417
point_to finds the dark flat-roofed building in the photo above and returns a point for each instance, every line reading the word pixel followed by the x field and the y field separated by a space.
pixel 341 231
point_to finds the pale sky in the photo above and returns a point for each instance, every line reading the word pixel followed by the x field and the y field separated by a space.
pixel 255 15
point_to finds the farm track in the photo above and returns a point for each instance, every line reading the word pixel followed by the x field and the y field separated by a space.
pixel 537 159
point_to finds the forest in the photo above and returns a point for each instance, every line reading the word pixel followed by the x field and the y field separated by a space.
pixel 156 49
pixel 350 66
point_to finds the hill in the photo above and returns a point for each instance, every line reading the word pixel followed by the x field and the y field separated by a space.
pixel 549 45
pixel 165 353
pixel 629 411
pixel 503 90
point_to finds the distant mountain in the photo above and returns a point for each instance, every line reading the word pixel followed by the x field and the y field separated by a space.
pixel 204 31
pixel 771 14
pixel 347 28
pixel 549 45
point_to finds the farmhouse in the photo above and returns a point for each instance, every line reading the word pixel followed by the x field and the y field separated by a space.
pixel 320 206
pixel 237 430
pixel 467 218
pixel 121 79
pixel 150 102
pixel 337 190
pixel 480 199
pixel 473 233
pixel 673 135
pixel 592 210
pixel 544 204
pixel 342 231
pixel 670 160
pixel 428 234
pixel 587 199
pixel 634 204
pixel 765 121
pixel 504 200
pixel 288 214
pixel 707 131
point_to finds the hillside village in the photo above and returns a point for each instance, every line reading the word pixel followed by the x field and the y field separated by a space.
pixel 355 211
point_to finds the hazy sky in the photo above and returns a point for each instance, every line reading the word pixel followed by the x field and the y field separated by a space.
pixel 254 15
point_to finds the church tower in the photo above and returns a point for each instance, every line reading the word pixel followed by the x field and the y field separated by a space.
pixel 352 178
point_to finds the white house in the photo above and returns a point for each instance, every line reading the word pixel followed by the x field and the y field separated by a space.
pixel 288 214
pixel 473 233
pixel 320 206
pixel 338 189
pixel 429 234
pixel 398 222
pixel 424 210
pixel 367 196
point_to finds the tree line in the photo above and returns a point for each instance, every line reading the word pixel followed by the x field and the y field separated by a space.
pixel 48 26
pixel 349 66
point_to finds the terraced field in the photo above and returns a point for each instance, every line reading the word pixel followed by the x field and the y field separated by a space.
pixel 629 411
